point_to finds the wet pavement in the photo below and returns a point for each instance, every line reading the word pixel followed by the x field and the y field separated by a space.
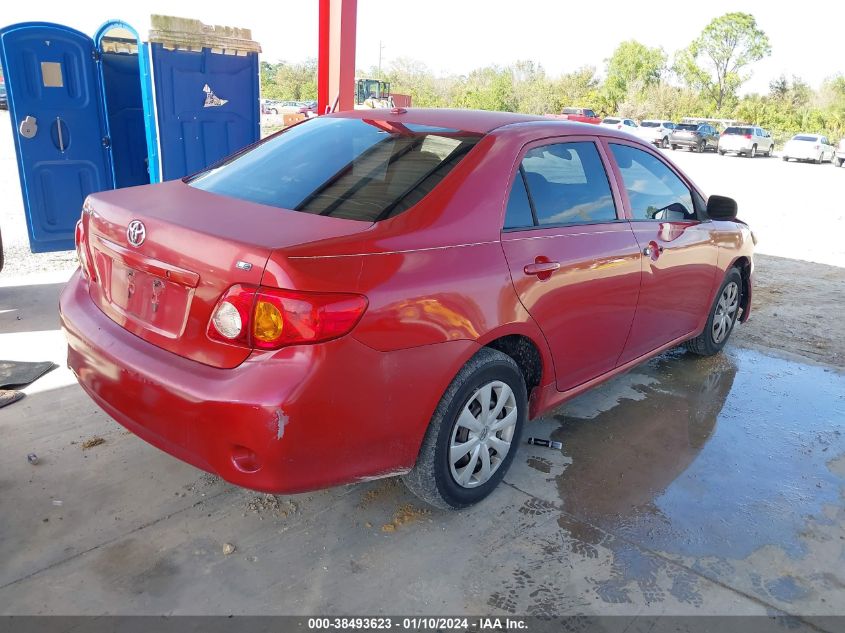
pixel 686 486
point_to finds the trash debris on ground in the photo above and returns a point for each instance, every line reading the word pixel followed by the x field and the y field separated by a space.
pixel 8 396
pixel 92 442
pixel 539 441
pixel 32 458
pixel 57 503
pixel 228 548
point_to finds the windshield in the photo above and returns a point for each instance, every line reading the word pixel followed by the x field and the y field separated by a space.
pixel 805 137
pixel 347 168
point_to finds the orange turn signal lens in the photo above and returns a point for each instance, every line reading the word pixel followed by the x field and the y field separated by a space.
pixel 267 323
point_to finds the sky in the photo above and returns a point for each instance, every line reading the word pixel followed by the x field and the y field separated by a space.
pixel 455 36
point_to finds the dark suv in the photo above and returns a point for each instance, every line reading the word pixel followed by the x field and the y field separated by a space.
pixel 695 136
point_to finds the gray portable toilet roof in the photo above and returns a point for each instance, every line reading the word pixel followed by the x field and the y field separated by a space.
pixel 189 34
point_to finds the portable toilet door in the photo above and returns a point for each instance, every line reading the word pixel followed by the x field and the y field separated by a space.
pixel 124 65
pixel 57 92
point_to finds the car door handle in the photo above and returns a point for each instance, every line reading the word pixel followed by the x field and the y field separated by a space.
pixel 541 268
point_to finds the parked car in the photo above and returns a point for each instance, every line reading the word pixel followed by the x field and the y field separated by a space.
pixel 810 147
pixel 364 295
pixel 628 125
pixel 655 131
pixel 839 159
pixel 4 102
pixel 746 140
pixel 697 137
pixel 582 115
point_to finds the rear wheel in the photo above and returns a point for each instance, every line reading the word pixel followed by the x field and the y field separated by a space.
pixel 785 159
pixel 674 147
pixel 473 434
pixel 665 143
pixel 753 152
pixel 722 317
pixel 700 147
pixel 838 161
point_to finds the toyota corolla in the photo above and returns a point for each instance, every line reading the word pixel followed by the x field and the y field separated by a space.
pixel 392 292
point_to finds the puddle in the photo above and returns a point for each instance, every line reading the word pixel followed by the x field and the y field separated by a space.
pixel 709 457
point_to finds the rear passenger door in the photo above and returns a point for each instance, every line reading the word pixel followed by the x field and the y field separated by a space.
pixel 679 252
pixel 573 257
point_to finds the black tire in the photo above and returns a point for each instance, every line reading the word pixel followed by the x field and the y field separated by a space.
pixel 838 161
pixel 721 152
pixel 753 152
pixel 674 147
pixel 665 143
pixel 701 147
pixel 785 159
pixel 431 478
pixel 705 344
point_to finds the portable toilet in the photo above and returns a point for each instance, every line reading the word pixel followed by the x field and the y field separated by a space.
pixel 90 114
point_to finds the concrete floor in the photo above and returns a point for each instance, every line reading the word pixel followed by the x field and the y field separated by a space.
pixel 686 486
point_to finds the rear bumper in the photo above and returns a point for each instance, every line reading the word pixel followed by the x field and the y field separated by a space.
pixel 685 142
pixel 735 147
pixel 302 418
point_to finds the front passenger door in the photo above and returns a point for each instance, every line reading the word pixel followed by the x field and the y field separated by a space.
pixel 573 258
pixel 679 253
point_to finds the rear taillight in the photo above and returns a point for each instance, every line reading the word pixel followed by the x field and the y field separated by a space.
pixel 270 318
pixel 748 136
pixel 817 146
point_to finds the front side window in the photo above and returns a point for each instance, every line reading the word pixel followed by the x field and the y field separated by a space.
pixel 358 169
pixel 568 184
pixel 655 192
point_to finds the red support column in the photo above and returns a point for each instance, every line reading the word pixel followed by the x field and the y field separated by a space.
pixel 336 55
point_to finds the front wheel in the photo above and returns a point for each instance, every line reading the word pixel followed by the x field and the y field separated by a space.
pixel 721 152
pixel 700 147
pixel 785 159
pixel 838 161
pixel 723 315
pixel 473 434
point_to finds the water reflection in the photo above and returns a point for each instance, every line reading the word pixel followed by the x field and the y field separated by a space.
pixel 708 456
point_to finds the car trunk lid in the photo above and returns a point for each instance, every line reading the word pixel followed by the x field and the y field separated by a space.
pixel 190 247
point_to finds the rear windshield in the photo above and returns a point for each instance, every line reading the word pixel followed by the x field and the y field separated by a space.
pixel 804 137
pixel 650 124
pixel 687 126
pixel 358 169
pixel 611 121
pixel 738 130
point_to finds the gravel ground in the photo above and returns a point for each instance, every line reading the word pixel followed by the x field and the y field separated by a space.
pixel 800 266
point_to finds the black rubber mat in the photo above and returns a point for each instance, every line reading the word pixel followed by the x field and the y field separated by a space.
pixel 17 374
pixel 8 397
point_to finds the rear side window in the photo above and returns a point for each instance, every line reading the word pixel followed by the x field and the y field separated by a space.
pixel 518 214
pixel 357 169
pixel 567 184
pixel 655 192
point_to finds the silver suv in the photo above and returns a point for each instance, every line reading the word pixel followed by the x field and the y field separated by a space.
pixel 746 140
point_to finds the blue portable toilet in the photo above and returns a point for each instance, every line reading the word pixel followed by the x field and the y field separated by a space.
pixel 85 116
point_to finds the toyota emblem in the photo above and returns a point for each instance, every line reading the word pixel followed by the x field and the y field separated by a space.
pixel 136 232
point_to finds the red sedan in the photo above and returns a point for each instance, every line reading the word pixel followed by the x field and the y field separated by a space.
pixel 376 293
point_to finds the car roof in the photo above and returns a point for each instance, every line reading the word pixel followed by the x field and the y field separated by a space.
pixel 484 121
pixel 478 121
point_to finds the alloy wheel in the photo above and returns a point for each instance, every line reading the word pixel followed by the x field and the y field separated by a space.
pixel 483 434
pixel 725 312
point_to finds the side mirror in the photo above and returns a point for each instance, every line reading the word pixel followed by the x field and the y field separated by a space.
pixel 721 208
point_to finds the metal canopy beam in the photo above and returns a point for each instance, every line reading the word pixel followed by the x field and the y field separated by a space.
pixel 336 55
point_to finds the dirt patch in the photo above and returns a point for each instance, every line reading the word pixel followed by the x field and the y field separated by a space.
pixel 795 309
pixel 404 515
pixel 92 442
pixel 270 505
pixel 385 487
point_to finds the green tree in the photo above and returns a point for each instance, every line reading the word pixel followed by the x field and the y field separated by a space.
pixel 715 62
pixel 632 65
